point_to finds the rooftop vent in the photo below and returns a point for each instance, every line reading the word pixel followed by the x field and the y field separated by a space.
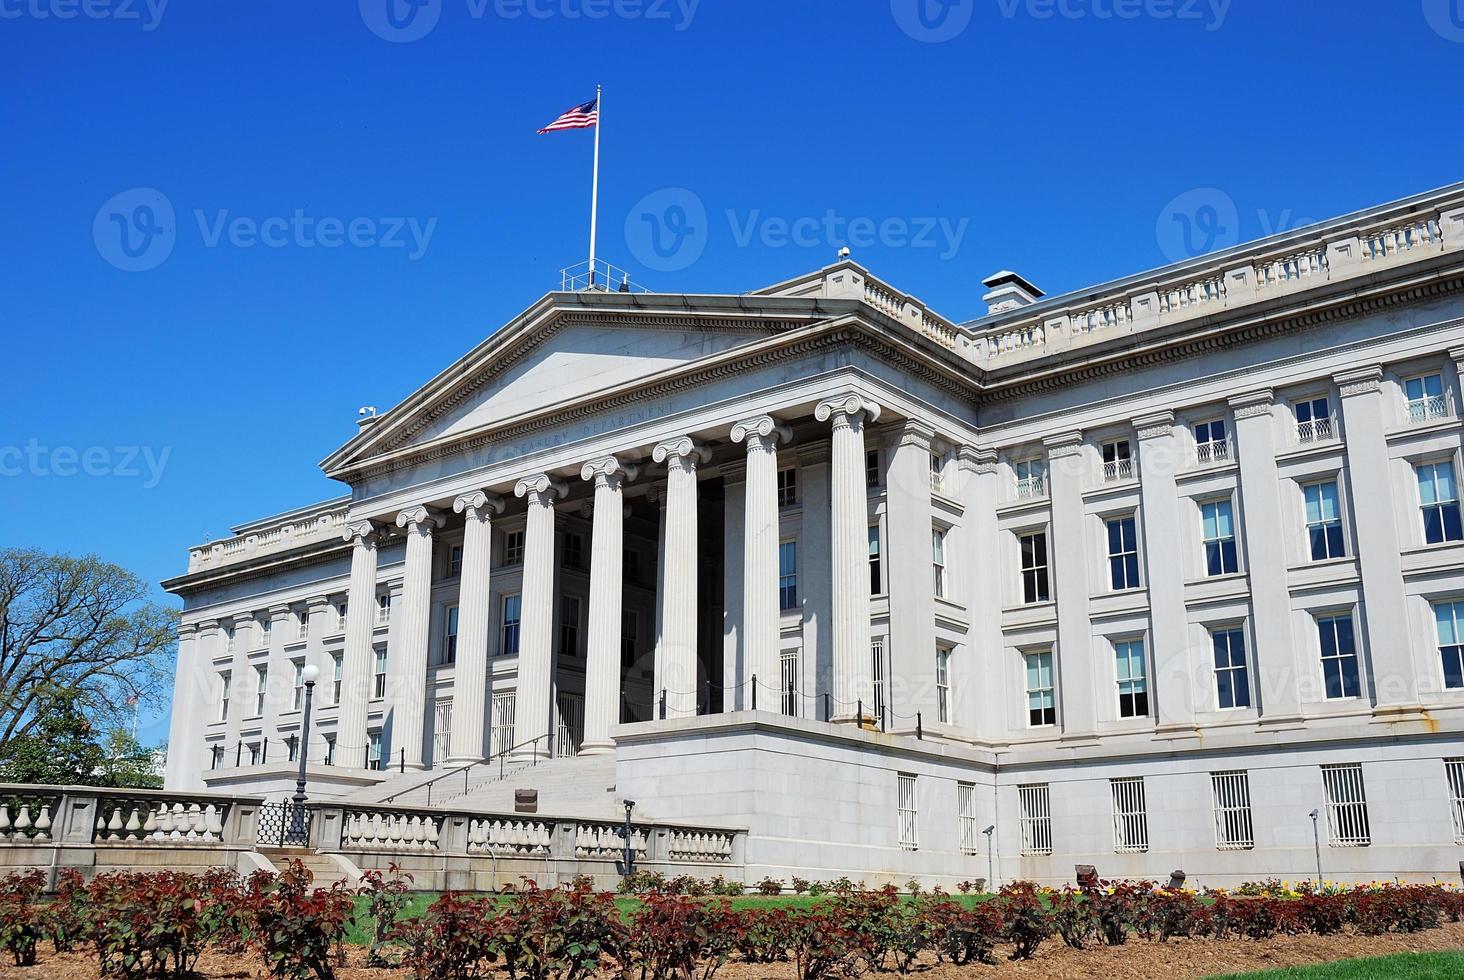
pixel 1008 292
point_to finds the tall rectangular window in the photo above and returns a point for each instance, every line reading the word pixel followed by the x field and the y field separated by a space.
pixel 1232 678
pixel 937 473
pixel 1035 586
pixel 441 733
pixel 373 751
pixel 1123 554
pixel 1031 477
pixel 966 830
pixel 788 487
pixel 629 636
pixel 943 684
pixel 908 812
pixel 1133 684
pixel 871 468
pixel 788 675
pixel 292 747
pixel 302 625
pixel 254 753
pixel 342 611
pixel 1339 657
pixel 1118 463
pixel 1449 620
pixel 226 679
pixel 1219 535
pixel 297 700
pixel 1041 695
pixel 938 559
pixel 504 708
pixel 788 575
pixel 630 565
pixel 1313 419
pixel 383 608
pixel 1454 772
pixel 1347 821
pixel 1233 827
pixel 266 630
pixel 570 727
pixel 337 676
pixel 449 635
pixel 1425 395
pixel 876 586
pixel 509 625
pixel 1438 500
pixel 378 677
pixel 877 675
pixel 1130 814
pixel 330 747
pixel 574 550
pixel 1035 801
pixel 455 561
pixel 1323 520
pixel 569 625
pixel 261 689
pixel 1212 441
pixel 513 547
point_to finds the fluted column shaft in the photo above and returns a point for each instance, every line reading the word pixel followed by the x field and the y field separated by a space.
pixel 533 714
pixel 409 664
pixel 677 660
pixel 358 666
pixel 470 682
pixel 760 613
pixel 849 507
pixel 607 544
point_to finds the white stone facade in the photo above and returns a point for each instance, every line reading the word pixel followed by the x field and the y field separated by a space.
pixel 1137 577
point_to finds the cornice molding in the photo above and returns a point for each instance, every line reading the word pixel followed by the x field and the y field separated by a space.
pixel 977 459
pixel 1359 381
pixel 1253 404
pixel 1064 444
pixel 1154 425
pixel 914 432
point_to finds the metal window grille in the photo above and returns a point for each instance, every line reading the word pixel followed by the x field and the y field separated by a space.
pixel 503 712
pixel 1036 810
pixel 909 817
pixel 966 817
pixel 1233 827
pixel 1347 824
pixel 1118 464
pixel 1031 477
pixel 571 727
pixel 789 687
pixel 877 674
pixel 1426 398
pixel 441 733
pixel 1130 817
pixel 1454 769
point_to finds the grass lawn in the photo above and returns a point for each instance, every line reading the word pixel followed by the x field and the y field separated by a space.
pixel 1403 966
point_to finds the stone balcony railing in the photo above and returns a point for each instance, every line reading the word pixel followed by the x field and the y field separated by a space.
pixel 323 523
pixel 1338 252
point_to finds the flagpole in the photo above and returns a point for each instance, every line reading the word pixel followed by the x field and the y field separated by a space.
pixel 595 183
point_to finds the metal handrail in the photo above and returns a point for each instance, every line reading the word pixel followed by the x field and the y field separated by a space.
pixel 501 756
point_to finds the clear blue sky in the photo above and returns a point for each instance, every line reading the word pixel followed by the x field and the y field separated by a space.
pixel 1057 139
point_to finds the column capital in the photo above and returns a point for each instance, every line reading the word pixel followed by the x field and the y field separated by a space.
pixel 913 432
pixel 362 532
pixel 542 488
pixel 420 519
pixel 1063 444
pixel 278 612
pixel 1456 354
pixel 478 506
pixel 608 471
pixel 186 631
pixel 1359 381
pixel 977 459
pixel 317 602
pixel 682 448
pixel 1154 425
pixel 1252 404
pixel 846 407
pixel 761 432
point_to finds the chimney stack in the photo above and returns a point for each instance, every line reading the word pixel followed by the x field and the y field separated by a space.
pixel 1009 291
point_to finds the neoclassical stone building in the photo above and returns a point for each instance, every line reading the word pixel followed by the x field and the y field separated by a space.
pixel 1139 576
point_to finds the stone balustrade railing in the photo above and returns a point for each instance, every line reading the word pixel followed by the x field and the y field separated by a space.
pixel 27 817
pixel 700 845
pixel 324 523
pixel 606 840
pixel 1339 252
pixel 392 830
pixel 152 821
pixel 509 835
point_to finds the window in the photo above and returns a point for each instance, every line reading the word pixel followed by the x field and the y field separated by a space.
pixel 937 471
pixel 378 685
pixel 1339 657
pixel 338 673
pixel 1233 827
pixel 229 640
pixel 943 684
pixel 1123 554
pixel 1130 817
pixel 298 699
pixel 1425 397
pixel 1323 520
pixel 449 635
pixel 1031 477
pixel 875 585
pixel 569 626
pixel 574 550
pixel 1454 770
pixel 1449 616
pixel 788 575
pixel 629 636
pixel 877 675
pixel 569 729
pixel 330 742
pixel 292 746
pixel 1036 818
pixel 441 732
pixel 455 561
pixel 266 630
pixel 341 611
pixel 215 756
pixel 226 678
pixel 1347 824
pixel 383 608
pixel 937 559
pixel 788 487
pixel 254 753
pixel 1232 680
pixel 1118 462
pixel 909 816
pixel 1212 444
pixel 788 678
pixel 1313 420
pixel 871 468
pixel 1133 686
pixel 966 829
pixel 512 606
pixel 302 625
pixel 1034 568
pixel 503 712
pixel 630 564
pixel 373 750
pixel 1438 498
pixel 513 547
pixel 261 689
pixel 1041 704
pixel 1219 534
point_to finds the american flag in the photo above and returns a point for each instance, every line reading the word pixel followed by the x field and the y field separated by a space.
pixel 580 117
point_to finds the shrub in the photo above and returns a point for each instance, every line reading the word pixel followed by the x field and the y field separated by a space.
pixel 873 921
pixel 150 925
pixel 801 885
pixel 1113 910
pixel 554 934
pixel 1075 917
pixel 454 939
pixel 721 886
pixel 297 927
pixel 1254 918
pixel 386 899
pixel 21 929
pixel 1025 923
pixel 643 883
pixel 769 886
pixel 964 935
pixel 761 935
pixel 65 918
pixel 675 937
pixel 821 945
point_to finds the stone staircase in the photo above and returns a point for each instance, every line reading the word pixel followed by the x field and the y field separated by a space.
pixel 327 868
pixel 582 786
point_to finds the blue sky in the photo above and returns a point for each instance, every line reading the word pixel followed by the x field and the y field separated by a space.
pixel 358 196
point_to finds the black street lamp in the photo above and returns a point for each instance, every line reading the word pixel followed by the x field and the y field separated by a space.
pixel 298 830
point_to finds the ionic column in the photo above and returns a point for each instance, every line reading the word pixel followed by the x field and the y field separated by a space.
pixel 910 688
pixel 607 545
pixel 470 681
pixel 676 653
pixel 533 716
pixel 760 614
pixel 410 658
pixel 849 506
pixel 190 693
pixel 357 667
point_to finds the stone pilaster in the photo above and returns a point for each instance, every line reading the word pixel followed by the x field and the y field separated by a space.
pixel 676 662
pixel 360 623
pixel 910 688
pixel 186 761
pixel 734 666
pixel 849 538
pixel 533 715
pixel 760 613
pixel 978 688
pixel 409 660
pixel 602 663
pixel 1077 674
pixel 475 607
